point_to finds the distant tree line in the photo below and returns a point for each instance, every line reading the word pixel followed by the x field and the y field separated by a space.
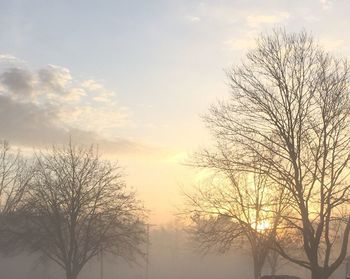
pixel 69 205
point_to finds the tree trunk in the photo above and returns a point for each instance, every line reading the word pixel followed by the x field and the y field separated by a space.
pixel 317 273
pixel 257 267
pixel 273 269
pixel 71 275
pixel 257 273
pixel 273 259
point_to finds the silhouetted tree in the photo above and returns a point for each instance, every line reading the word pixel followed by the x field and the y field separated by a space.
pixel 290 108
pixel 14 178
pixel 236 209
pixel 78 206
pixel 15 175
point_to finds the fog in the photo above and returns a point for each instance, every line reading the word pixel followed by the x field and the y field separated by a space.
pixel 114 113
pixel 171 256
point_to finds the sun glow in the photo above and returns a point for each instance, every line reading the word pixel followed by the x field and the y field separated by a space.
pixel 263 226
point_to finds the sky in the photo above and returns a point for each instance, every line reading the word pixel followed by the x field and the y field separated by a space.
pixel 134 77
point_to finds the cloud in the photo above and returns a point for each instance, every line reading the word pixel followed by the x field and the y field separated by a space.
pixel 8 60
pixel 194 19
pixel 251 19
pixel 326 4
pixel 255 20
pixel 54 78
pixel 18 82
pixel 101 94
pixel 229 13
pixel 255 24
pixel 7 57
pixel 104 120
pixel 49 105
pixel 27 123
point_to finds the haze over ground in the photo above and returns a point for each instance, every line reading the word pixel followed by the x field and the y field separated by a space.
pixel 134 76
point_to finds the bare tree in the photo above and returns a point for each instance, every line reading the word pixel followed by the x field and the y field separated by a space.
pixel 290 107
pixel 236 208
pixel 15 175
pixel 274 261
pixel 14 178
pixel 78 206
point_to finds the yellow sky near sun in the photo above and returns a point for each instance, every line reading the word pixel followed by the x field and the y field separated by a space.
pixel 158 180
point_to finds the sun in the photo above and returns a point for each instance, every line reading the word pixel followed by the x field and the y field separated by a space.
pixel 263 225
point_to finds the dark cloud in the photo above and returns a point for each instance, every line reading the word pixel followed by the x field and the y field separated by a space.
pixel 18 81
pixel 28 124
pixel 31 116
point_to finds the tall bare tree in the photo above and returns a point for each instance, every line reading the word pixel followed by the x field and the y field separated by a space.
pixel 78 206
pixel 290 107
pixel 235 208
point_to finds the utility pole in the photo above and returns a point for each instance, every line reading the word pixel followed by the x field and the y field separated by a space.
pixel 147 252
pixel 148 243
pixel 101 263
